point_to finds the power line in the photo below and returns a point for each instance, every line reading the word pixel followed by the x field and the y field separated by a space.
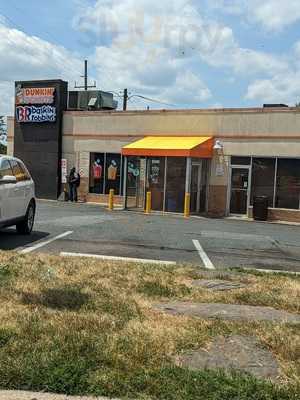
pixel 153 100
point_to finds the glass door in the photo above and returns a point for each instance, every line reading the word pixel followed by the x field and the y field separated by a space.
pixel 196 188
pixel 239 190
pixel 136 182
pixel 175 184
pixel 156 181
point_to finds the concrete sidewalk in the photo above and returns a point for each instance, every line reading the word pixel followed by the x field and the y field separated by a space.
pixel 21 395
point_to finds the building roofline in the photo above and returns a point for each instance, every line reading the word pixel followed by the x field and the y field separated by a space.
pixel 45 81
pixel 263 110
pixel 253 110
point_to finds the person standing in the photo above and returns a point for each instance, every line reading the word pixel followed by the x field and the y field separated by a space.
pixel 74 183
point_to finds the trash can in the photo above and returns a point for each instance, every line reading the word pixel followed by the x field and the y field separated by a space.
pixel 260 208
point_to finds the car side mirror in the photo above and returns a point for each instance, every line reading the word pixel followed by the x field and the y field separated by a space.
pixel 8 179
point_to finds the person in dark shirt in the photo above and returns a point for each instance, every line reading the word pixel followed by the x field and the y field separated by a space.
pixel 74 183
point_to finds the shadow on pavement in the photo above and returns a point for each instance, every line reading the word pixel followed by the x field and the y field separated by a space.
pixel 11 240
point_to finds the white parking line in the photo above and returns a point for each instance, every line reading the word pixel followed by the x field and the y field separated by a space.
pixel 272 271
pixel 113 258
pixel 204 257
pixel 45 243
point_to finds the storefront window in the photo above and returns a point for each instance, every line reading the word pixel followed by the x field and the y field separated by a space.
pixel 175 188
pixel 288 183
pixel 156 180
pixel 105 173
pixel 235 160
pixel 97 173
pixel 113 173
pixel 275 175
pixel 263 178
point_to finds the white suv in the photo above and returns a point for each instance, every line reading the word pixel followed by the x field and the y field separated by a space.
pixel 17 198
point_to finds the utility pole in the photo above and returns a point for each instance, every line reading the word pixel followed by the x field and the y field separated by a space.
pixel 125 99
pixel 85 77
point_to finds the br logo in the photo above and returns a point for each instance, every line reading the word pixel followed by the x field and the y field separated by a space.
pixel 23 114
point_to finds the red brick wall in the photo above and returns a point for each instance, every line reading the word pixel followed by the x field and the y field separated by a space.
pixel 279 214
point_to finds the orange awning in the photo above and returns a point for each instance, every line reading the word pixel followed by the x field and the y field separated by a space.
pixel 171 146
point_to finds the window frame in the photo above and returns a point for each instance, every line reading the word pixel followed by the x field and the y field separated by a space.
pixel 19 179
pixel 11 170
pixel 104 173
pixel 25 171
pixel 251 171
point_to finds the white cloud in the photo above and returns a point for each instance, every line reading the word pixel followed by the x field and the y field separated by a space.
pixel 273 15
pixel 25 57
pixel 158 47
pixel 188 89
pixel 148 47
pixel 279 89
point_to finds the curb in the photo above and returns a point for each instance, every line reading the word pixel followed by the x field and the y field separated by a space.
pixel 22 395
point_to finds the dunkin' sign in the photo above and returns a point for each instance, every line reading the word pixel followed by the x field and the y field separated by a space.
pixel 34 95
pixel 36 114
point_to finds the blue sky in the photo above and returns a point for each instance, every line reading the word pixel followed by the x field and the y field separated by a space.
pixel 187 53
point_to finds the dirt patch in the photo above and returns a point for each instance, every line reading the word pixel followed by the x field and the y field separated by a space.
pixel 243 353
pixel 228 311
pixel 218 285
pixel 20 395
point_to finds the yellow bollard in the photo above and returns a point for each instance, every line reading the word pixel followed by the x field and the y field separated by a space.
pixel 187 205
pixel 148 203
pixel 111 200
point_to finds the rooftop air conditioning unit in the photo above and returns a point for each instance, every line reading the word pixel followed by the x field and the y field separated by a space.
pixel 92 100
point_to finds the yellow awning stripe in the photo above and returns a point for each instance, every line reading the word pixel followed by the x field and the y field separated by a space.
pixel 200 146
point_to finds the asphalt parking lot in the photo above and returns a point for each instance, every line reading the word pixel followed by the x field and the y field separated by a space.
pixel 212 243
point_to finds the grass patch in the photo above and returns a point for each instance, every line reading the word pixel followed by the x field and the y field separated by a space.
pixel 6 335
pixel 87 327
pixel 7 273
pixel 174 383
pixel 159 289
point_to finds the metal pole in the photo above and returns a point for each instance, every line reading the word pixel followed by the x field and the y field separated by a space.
pixel 188 175
pixel 148 203
pixel 165 184
pixel 85 74
pixel 125 98
pixel 187 205
pixel 125 182
pixel 111 200
pixel 275 183
pixel 187 200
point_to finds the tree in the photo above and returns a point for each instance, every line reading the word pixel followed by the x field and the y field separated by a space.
pixel 3 136
pixel 297 105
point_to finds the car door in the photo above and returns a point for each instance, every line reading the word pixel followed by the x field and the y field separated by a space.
pixel 19 190
pixel 28 186
pixel 7 192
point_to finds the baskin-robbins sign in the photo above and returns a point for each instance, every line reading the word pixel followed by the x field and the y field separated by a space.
pixel 44 113
pixel 34 95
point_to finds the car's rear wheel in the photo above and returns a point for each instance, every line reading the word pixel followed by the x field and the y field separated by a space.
pixel 25 227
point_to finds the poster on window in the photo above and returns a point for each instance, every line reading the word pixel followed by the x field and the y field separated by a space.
pixel 154 171
pixel 97 169
pixel 64 170
pixel 113 173
pixel 220 170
